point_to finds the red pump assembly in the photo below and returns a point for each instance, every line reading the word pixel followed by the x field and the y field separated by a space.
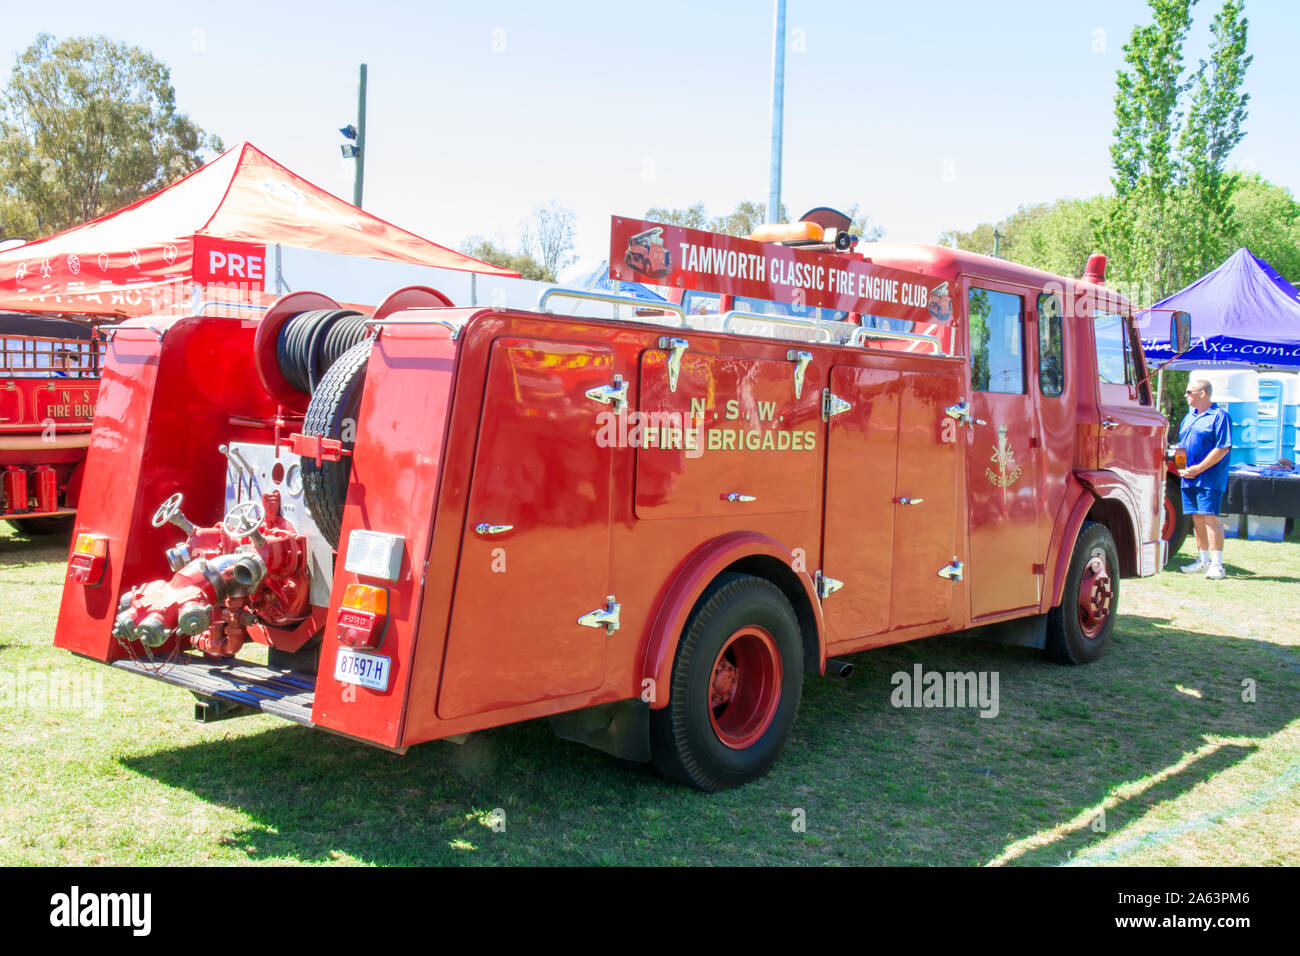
pixel 249 569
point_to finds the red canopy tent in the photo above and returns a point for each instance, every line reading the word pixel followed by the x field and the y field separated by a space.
pixel 212 229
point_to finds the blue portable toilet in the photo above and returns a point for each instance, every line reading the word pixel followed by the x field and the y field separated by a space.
pixel 1284 388
pixel 1236 391
pixel 1270 416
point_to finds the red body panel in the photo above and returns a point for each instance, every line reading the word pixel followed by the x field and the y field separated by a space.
pixel 164 407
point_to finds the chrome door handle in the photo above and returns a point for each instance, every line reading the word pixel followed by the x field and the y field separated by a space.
pixel 910 501
pixel 737 496
pixel 1108 423
pixel 486 528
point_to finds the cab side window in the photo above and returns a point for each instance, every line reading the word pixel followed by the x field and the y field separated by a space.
pixel 996 341
pixel 1051 346
pixel 1114 364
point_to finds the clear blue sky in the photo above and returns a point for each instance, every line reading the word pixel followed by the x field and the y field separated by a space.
pixel 929 115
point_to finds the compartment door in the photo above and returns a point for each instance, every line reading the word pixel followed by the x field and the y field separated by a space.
pixel 861 454
pixel 540 470
pixel 929 473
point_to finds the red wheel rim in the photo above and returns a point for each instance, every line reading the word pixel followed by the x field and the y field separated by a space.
pixel 1171 516
pixel 745 687
pixel 1095 593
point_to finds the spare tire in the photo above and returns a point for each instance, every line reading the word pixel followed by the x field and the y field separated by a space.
pixel 332 413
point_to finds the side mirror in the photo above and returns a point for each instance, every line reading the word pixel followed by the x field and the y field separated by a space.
pixel 1180 332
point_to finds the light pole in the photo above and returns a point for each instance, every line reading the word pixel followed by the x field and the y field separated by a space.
pixel 778 111
pixel 358 135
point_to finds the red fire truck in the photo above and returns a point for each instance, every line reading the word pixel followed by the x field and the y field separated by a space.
pixel 49 382
pixel 445 519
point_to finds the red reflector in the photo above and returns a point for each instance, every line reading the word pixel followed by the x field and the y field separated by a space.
pixel 360 628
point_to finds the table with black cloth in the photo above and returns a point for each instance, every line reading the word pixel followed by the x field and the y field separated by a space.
pixel 1272 493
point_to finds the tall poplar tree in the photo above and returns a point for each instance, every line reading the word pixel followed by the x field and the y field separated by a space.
pixel 1172 216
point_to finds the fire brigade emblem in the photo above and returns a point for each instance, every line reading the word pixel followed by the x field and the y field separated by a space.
pixel 1005 459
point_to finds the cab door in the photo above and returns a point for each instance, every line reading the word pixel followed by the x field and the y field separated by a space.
pixel 1130 434
pixel 1002 454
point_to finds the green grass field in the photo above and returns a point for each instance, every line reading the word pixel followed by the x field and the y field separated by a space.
pixel 1182 746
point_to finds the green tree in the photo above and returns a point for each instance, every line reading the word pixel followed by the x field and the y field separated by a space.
pixel 88 126
pixel 1268 221
pixel 1172 215
pixel 1056 237
pixel 489 251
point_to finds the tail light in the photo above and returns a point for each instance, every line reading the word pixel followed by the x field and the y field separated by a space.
pixel 362 615
pixel 89 559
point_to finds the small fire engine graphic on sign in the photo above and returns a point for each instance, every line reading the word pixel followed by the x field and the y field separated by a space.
pixel 647 254
pixel 1008 471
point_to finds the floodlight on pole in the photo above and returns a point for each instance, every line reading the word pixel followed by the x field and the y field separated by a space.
pixel 357 134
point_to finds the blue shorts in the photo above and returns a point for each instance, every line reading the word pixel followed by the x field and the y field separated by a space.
pixel 1203 501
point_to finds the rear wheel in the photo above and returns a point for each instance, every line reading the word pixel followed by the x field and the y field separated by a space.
pixel 1079 628
pixel 46 524
pixel 1176 525
pixel 735 687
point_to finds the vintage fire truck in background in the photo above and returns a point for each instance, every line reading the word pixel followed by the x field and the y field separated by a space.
pixel 49 382
pixel 445 519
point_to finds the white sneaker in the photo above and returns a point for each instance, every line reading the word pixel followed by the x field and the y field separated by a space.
pixel 1216 572
pixel 1200 565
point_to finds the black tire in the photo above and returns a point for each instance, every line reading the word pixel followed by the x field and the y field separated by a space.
pixel 751 620
pixel 336 401
pixel 46 524
pixel 1175 532
pixel 1076 634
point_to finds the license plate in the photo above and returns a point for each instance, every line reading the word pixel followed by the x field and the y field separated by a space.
pixel 365 670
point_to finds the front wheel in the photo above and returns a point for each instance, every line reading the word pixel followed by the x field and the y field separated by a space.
pixel 1079 628
pixel 735 689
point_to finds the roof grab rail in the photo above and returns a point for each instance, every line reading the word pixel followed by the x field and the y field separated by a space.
pixel 821 330
pixel 230 305
pixel 589 296
pixel 378 324
pixel 861 335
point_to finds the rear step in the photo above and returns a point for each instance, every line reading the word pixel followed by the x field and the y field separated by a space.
pixel 229 687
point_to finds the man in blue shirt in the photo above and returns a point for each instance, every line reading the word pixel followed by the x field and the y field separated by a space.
pixel 1206 434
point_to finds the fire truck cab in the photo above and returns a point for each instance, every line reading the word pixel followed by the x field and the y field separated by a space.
pixel 446 519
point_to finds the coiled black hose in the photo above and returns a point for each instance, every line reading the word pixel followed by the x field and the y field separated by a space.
pixel 310 342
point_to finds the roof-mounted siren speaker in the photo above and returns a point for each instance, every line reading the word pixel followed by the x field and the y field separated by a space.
pixel 835 226
pixel 1096 269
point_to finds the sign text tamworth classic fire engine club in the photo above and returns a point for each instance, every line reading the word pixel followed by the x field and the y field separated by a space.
pixel 726 265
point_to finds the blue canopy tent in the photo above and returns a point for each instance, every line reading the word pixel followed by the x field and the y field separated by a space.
pixel 599 281
pixel 1243 315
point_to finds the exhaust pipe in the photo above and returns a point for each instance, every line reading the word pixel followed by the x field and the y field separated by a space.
pixel 838 668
